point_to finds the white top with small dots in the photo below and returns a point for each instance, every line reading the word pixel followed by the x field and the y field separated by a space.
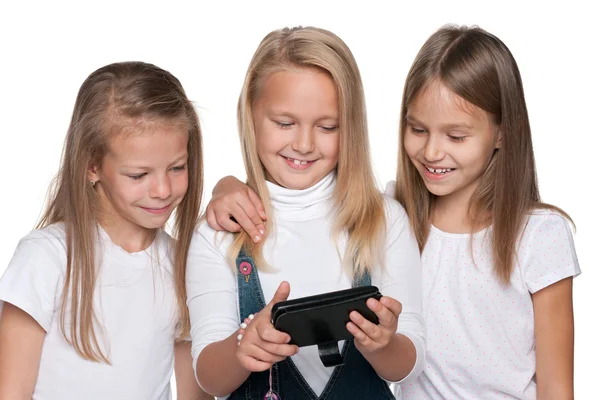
pixel 480 333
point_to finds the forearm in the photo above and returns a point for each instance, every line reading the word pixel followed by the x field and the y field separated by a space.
pixel 554 341
pixel 218 369
pixel 187 387
pixel 395 361
pixel 21 342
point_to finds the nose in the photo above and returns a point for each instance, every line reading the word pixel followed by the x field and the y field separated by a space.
pixel 304 141
pixel 433 150
pixel 160 187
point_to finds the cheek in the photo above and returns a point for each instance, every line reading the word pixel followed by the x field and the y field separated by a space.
pixel 123 191
pixel 411 145
pixel 180 184
pixel 268 143
pixel 475 156
pixel 329 145
pixel 129 192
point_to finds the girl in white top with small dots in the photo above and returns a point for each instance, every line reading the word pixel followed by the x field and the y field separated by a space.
pixel 497 262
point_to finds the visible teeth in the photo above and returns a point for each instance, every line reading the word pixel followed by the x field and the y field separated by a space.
pixel 297 162
pixel 439 170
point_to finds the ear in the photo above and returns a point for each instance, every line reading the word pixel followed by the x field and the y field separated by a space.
pixel 92 173
pixel 500 134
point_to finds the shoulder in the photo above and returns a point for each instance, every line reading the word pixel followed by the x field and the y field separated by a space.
pixel 50 241
pixel 541 223
pixel 207 238
pixel 546 252
pixel 394 212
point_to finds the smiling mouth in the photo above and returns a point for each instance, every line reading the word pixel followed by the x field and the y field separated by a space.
pixel 157 210
pixel 298 162
pixel 439 171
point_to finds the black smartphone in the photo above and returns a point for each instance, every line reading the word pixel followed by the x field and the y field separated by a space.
pixel 322 318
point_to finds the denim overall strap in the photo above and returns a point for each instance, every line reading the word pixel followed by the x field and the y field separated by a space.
pixel 250 295
pixel 361 280
pixel 355 379
pixel 251 301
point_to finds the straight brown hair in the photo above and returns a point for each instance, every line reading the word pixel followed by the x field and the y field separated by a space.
pixel 479 68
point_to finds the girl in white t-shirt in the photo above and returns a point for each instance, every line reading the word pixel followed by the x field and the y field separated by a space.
pixel 497 262
pixel 93 301
pixel 303 132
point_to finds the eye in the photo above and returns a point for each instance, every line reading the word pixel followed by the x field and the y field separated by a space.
pixel 283 125
pixel 179 168
pixel 416 130
pixel 329 128
pixel 457 138
pixel 137 177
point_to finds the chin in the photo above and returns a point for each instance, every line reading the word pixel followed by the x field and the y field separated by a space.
pixel 153 223
pixel 438 191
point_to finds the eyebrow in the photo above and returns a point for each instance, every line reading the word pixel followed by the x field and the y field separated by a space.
pixel 290 115
pixel 175 161
pixel 410 118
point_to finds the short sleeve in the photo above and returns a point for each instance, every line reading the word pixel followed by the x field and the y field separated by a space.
pixel 547 252
pixel 31 281
pixel 390 189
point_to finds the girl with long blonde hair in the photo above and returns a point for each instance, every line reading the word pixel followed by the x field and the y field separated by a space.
pixel 303 131
pixel 93 301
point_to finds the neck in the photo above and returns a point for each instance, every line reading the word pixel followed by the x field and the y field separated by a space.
pixel 451 212
pixel 124 233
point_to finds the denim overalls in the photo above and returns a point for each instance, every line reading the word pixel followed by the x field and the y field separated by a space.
pixel 353 380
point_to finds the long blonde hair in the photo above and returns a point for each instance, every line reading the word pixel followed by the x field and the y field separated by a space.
pixel 357 201
pixel 479 68
pixel 127 90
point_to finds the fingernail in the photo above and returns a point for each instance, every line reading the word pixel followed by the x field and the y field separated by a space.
pixel 256 239
pixel 262 232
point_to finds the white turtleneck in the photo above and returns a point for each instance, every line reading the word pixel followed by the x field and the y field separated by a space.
pixel 301 251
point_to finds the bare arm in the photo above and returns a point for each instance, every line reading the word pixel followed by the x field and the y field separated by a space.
pixel 232 198
pixel 21 341
pixel 187 387
pixel 553 318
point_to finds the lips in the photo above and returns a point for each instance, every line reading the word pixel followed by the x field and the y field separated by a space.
pixel 437 173
pixel 298 164
pixel 439 170
pixel 157 211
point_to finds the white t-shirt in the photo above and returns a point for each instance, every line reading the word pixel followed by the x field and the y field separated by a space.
pixel 301 251
pixel 480 333
pixel 134 302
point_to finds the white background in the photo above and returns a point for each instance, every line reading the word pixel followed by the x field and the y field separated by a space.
pixel 47 50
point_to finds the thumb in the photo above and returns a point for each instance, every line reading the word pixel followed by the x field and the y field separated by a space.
pixel 281 294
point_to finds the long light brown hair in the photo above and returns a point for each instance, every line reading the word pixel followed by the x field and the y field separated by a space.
pixel 357 201
pixel 478 67
pixel 114 93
